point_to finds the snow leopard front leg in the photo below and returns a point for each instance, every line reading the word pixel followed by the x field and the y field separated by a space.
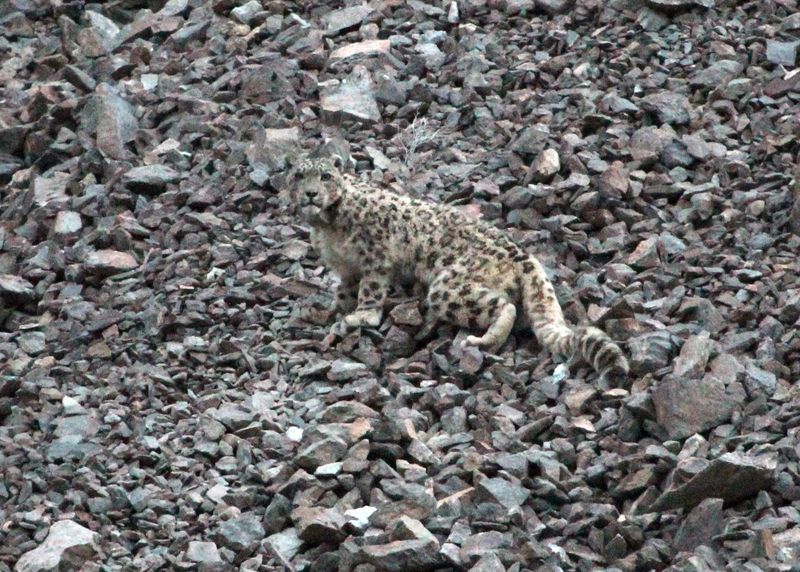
pixel 372 291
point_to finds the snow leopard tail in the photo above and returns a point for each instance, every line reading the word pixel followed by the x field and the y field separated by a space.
pixel 547 320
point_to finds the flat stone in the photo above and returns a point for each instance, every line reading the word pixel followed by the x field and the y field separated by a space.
pixel 32 343
pixel 408 528
pixel 198 551
pixel 338 21
pixel 489 563
pixel 692 361
pixel 67 223
pixel 68 546
pixel 688 406
pixel 531 140
pixel 321 453
pixel 233 416
pixel 319 525
pixel 403 556
pixel 648 142
pixel 246 12
pixel 502 491
pixel 150 179
pixel 782 53
pixel 758 380
pixel 668 107
pixel 285 544
pixel 241 534
pixel 479 545
pixel 359 517
pixel 111 118
pixel 98 38
pixel 717 74
pixel 352 100
pixel 347 411
pixel 645 255
pixel 50 189
pixel 554 7
pixel 344 369
pixel 16 289
pixel 273 149
pixel 676 6
pixel 700 525
pixel 545 166
pixel 109 262
pixel 361 49
pixel 732 477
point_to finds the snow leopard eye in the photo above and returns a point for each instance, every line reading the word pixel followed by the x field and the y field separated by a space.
pixel 325 176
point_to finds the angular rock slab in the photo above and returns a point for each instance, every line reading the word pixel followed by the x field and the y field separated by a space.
pixel 732 477
pixel 352 100
pixel 68 546
pixel 688 406
pixel 700 525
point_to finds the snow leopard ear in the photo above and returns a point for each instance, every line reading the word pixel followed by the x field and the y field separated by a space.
pixel 338 161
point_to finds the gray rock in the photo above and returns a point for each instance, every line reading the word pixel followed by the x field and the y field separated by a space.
pixel 277 514
pixel 757 380
pixel 433 56
pixel 273 149
pixel 479 545
pixel 198 551
pixel 554 7
pixel 109 262
pixel 319 525
pixel 650 352
pixel 531 140
pixel 32 343
pixel 233 416
pixel 67 224
pixel 99 37
pixel 700 525
pixel 403 555
pixel 675 154
pixel 645 255
pixel 361 49
pixel 14 288
pixel 517 6
pixel 647 143
pixel 783 53
pixel 352 100
pixel 50 189
pixel 676 6
pixel 717 74
pixel 346 412
pixel 241 534
pixel 150 179
pixel 732 477
pixel 345 19
pixel 692 361
pixel 489 563
pixel 111 118
pixel 502 491
pixel 358 518
pixel 545 166
pixel 284 545
pixel 321 453
pixel 668 107
pixel 408 528
pixel 246 12
pixel 68 546
pixel 344 369
pixel 687 406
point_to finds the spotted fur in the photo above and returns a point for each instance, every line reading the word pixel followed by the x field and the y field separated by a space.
pixel 476 277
